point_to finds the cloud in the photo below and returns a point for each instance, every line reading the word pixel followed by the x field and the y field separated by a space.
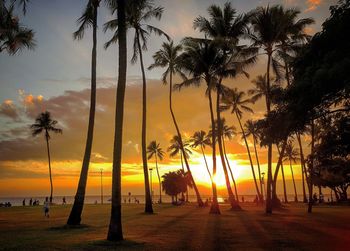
pixel 312 5
pixel 8 109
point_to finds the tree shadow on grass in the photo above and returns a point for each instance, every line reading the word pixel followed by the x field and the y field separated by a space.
pixel 69 227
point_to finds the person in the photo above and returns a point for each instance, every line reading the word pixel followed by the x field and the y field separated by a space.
pixel 124 200
pixel 321 198
pixel 24 202
pixel 64 201
pixel 206 203
pixel 242 198
pixel 315 197
pixel 46 209
pixel 256 200
pixel 31 202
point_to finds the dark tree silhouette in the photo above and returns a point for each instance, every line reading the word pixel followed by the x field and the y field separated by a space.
pixel 44 123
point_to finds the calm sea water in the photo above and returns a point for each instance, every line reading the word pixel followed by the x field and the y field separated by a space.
pixel 17 201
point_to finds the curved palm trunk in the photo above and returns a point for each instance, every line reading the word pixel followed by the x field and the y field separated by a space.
pixel 295 188
pixel 49 158
pixel 230 169
pixel 160 184
pixel 206 164
pixel 258 163
pixel 269 147
pixel 115 231
pixel 249 156
pixel 234 203
pixel 303 170
pixel 275 201
pixel 214 208
pixel 148 204
pixel 199 199
pixel 77 209
pixel 283 179
pixel 183 169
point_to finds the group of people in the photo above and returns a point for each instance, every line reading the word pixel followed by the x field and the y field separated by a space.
pixel 32 202
pixel 5 204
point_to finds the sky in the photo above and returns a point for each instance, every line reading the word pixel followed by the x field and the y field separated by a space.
pixel 56 77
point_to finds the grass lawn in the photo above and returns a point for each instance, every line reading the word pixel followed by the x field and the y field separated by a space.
pixel 179 228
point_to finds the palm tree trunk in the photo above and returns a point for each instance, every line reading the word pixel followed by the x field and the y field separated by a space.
pixel 199 199
pixel 303 170
pixel 206 164
pixel 214 208
pixel 49 158
pixel 295 188
pixel 283 179
pixel 183 169
pixel 249 156
pixel 115 231
pixel 77 209
pixel 275 201
pixel 269 147
pixel 257 161
pixel 148 204
pixel 230 169
pixel 234 203
pixel 160 184
pixel 311 167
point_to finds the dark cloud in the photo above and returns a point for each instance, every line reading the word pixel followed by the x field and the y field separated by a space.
pixel 8 109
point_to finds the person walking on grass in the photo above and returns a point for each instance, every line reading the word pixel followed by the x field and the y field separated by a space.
pixel 46 208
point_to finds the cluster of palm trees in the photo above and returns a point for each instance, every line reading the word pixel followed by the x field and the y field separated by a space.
pixel 212 60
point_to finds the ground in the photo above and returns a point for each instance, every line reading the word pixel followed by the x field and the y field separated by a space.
pixel 179 228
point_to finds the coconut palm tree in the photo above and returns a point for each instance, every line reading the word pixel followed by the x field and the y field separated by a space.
pixel 234 100
pixel 44 123
pixel 176 146
pixel 115 231
pixel 153 149
pixel 291 155
pixel 251 130
pixel 14 36
pixel 89 18
pixel 138 14
pixel 272 27
pixel 201 139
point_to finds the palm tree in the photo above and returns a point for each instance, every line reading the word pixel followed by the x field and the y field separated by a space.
pixel 115 231
pixel 303 168
pixel 291 155
pixel 44 123
pixel 234 100
pixel 202 140
pixel 89 18
pixel 251 130
pixel 153 149
pixel 14 36
pixel 138 12
pixel 176 146
pixel 272 27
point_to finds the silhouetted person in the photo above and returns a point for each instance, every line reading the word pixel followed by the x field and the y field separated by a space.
pixel 206 203
pixel 315 197
pixel 24 202
pixel 256 200
pixel 64 201
pixel 30 202
pixel 46 199
pixel 46 208
pixel 242 198
pixel 124 200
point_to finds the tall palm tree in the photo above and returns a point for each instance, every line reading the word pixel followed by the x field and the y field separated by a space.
pixel 115 230
pixel 271 28
pixel 138 13
pixel 291 155
pixel 234 100
pixel 176 147
pixel 89 18
pixel 44 123
pixel 14 36
pixel 153 149
pixel 251 130
pixel 303 167
pixel 201 139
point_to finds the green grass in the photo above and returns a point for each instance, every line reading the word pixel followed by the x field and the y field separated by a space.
pixel 178 228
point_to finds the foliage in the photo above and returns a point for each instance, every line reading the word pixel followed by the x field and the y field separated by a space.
pixel 175 183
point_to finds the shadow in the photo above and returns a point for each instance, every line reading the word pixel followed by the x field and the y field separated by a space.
pixel 119 245
pixel 68 227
